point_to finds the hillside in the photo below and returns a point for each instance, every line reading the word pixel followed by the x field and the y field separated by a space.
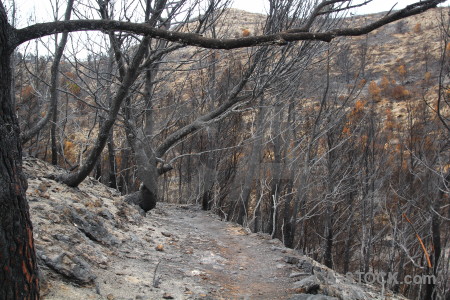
pixel 92 245
pixel 338 150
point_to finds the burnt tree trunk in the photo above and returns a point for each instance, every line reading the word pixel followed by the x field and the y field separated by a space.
pixel 18 268
pixel 288 217
pixel 112 181
pixel 430 288
pixel 253 164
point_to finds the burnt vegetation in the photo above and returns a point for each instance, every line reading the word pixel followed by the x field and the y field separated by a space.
pixel 340 149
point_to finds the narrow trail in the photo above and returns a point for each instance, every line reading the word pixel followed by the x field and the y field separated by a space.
pixel 200 257
pixel 242 265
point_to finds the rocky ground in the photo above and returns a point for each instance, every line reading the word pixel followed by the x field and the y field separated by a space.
pixel 92 245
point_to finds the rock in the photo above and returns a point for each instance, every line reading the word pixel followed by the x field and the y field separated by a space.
pixel 167 296
pixel 347 292
pixel 42 187
pixel 133 198
pixel 276 242
pixel 106 214
pixel 305 265
pixel 291 260
pixel 298 274
pixel 131 214
pixel 144 198
pixel 309 284
pixel 71 267
pixel 92 227
pixel 63 238
pixel 275 248
pixel 54 218
pixel 330 277
pixel 312 297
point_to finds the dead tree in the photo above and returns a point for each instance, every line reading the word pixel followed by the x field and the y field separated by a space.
pixel 18 275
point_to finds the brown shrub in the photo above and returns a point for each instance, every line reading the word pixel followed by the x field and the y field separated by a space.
pixel 245 32
pixel 400 92
pixel 374 90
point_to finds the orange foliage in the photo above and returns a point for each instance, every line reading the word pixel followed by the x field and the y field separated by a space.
pixel 70 75
pixel 389 124
pixel 342 97
pixel 401 70
pixel 27 92
pixel 447 50
pixel 447 93
pixel 436 106
pixel 417 28
pixel 118 160
pixel 346 131
pixel 385 83
pixel 429 144
pixel 427 77
pixel 69 150
pixel 362 83
pixel 374 90
pixel 364 138
pixel 359 105
pixel 245 32
pixel 399 92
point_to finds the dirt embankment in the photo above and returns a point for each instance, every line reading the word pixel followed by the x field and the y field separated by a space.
pixel 92 245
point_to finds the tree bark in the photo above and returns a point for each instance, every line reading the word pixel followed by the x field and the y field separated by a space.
pixel 430 289
pixel 329 206
pixel 253 164
pixel 112 181
pixel 349 225
pixel 39 30
pixel 18 268
pixel 289 223
pixel 276 170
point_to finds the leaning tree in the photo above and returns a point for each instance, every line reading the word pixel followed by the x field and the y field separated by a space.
pixel 18 268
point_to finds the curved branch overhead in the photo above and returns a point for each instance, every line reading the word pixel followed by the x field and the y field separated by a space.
pixel 192 39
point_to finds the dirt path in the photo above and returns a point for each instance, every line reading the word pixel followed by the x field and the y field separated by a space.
pixel 241 265
pixel 182 252
pixel 92 245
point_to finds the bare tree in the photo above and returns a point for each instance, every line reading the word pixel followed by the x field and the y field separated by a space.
pixel 52 111
pixel 18 278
